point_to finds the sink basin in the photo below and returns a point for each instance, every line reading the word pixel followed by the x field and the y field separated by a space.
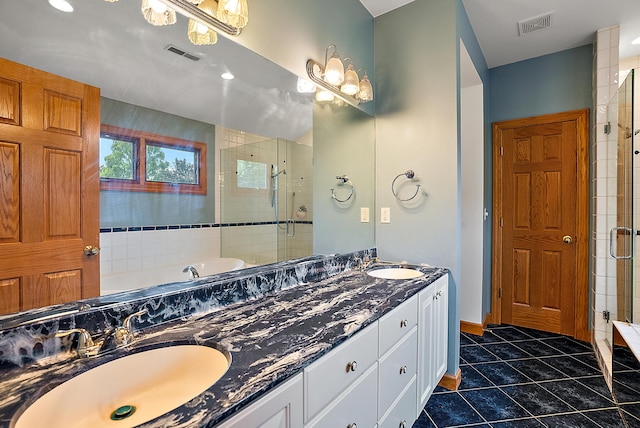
pixel 132 389
pixel 395 273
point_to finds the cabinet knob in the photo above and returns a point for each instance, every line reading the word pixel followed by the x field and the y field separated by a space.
pixel 353 425
pixel 351 367
pixel 403 424
pixel 403 369
pixel 404 323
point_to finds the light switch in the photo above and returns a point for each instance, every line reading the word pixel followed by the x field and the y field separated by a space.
pixel 385 215
pixel 364 215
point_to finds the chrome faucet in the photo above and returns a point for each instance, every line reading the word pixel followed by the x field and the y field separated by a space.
pixel 88 347
pixel 193 272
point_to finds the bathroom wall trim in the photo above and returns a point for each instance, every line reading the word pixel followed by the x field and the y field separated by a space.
pixel 191 226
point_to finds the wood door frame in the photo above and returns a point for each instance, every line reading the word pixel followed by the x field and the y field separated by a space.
pixel 581 118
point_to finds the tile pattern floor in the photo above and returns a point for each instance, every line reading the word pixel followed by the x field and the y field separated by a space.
pixel 518 377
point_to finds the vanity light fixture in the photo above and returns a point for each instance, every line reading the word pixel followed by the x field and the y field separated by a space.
pixel 330 77
pixel 333 69
pixel 233 12
pixel 351 83
pixel 366 90
pixel 157 13
pixel 199 33
pixel 163 12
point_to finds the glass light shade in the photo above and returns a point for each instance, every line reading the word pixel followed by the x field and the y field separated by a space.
pixel 366 90
pixel 324 96
pixel 233 12
pixel 351 84
pixel 157 13
pixel 196 2
pixel 334 70
pixel 200 34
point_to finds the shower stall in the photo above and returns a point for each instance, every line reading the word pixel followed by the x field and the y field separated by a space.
pixel 266 201
pixel 622 237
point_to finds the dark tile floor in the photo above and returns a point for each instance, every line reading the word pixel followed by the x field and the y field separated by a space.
pixel 518 377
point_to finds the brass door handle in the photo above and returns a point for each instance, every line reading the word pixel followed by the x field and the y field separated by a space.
pixel 567 239
pixel 90 250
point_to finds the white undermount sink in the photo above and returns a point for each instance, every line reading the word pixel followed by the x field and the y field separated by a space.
pixel 395 273
pixel 130 390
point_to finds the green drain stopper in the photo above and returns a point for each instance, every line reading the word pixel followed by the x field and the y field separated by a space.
pixel 122 412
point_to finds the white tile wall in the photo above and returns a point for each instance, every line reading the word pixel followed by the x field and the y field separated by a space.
pixel 126 252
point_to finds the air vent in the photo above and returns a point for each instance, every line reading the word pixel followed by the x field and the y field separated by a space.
pixel 178 51
pixel 534 24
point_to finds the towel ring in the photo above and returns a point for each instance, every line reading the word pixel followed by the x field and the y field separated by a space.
pixel 409 174
pixel 342 180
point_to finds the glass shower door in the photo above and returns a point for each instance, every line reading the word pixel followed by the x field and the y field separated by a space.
pixel 622 236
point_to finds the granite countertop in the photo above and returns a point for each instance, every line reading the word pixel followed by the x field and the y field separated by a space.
pixel 270 339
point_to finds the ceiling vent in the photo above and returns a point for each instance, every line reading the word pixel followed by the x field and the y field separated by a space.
pixel 178 51
pixel 534 24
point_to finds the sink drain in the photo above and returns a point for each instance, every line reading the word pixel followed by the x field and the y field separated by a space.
pixel 122 412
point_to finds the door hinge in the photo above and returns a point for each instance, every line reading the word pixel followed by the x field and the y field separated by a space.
pixel 501 222
pixel 501 150
pixel 606 315
pixel 500 293
pixel 607 128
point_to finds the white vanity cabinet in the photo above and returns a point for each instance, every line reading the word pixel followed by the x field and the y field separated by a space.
pixel 281 408
pixel 381 377
pixel 432 340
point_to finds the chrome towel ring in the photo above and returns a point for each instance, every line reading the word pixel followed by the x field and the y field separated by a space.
pixel 342 180
pixel 409 174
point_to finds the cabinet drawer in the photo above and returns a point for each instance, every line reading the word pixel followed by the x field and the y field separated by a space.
pixel 280 408
pixel 403 411
pixel 397 323
pixel 326 378
pixel 397 370
pixel 355 407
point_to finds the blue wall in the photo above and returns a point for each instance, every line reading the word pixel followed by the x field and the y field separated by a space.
pixel 547 84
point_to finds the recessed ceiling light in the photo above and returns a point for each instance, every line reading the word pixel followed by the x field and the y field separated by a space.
pixel 61 5
pixel 636 41
pixel 227 76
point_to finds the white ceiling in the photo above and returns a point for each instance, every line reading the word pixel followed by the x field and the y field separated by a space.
pixel 574 23
pixel 379 7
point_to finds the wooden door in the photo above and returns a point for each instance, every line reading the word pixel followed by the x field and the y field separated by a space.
pixel 540 222
pixel 49 188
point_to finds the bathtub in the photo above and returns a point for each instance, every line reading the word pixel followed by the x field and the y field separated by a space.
pixel 115 283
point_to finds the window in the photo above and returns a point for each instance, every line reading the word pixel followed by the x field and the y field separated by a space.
pixel 251 175
pixel 138 161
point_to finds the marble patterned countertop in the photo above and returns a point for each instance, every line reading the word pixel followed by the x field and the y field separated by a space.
pixel 270 339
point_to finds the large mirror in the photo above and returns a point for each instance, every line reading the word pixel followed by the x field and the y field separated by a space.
pixel 270 170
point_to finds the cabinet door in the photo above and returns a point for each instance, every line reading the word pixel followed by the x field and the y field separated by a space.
pixel 440 330
pixel 281 408
pixel 426 303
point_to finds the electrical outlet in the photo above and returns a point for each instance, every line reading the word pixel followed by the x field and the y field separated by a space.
pixel 385 215
pixel 364 215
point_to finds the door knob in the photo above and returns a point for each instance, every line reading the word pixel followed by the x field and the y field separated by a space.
pixel 90 250
pixel 567 239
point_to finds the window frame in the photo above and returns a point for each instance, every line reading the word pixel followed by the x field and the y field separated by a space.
pixel 139 182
